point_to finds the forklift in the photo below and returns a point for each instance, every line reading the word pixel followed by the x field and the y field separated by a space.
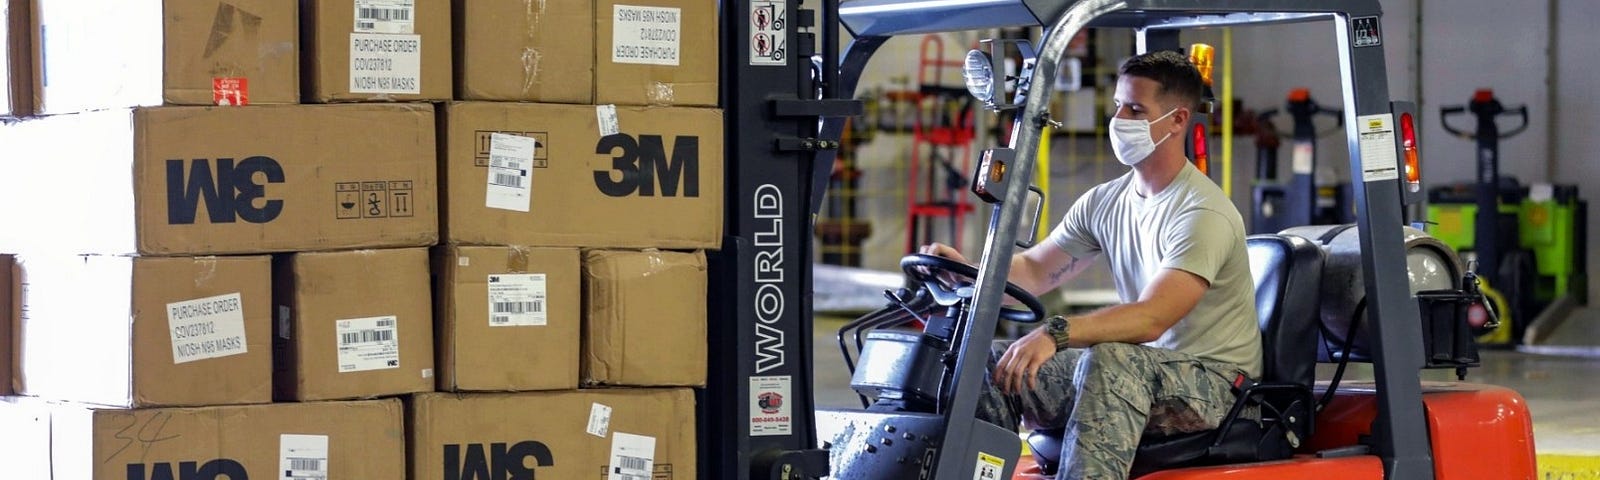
pixel 757 418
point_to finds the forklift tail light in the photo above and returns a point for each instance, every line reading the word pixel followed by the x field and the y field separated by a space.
pixel 1201 158
pixel 1408 137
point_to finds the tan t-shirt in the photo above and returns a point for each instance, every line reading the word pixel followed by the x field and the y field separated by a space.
pixel 1189 226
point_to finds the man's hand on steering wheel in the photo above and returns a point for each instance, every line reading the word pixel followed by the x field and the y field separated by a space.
pixel 941 250
pixel 939 274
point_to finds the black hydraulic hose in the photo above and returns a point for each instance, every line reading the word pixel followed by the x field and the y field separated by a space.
pixel 1344 357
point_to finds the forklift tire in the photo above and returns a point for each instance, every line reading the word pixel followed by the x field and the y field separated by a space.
pixel 1518 272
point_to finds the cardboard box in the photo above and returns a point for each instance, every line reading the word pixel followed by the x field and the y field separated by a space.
pixel 221 180
pixel 525 51
pixel 376 50
pixel 97 55
pixel 8 326
pixel 585 434
pixel 363 440
pixel 145 331
pixel 656 52
pixel 656 184
pixel 644 318
pixel 16 59
pixel 354 324
pixel 25 444
pixel 507 318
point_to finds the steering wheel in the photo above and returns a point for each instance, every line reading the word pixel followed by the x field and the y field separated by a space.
pixel 925 269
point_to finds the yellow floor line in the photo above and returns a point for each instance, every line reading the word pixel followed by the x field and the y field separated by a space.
pixel 1569 467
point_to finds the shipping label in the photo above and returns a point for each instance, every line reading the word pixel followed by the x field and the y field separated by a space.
pixel 371 343
pixel 385 63
pixel 517 300
pixel 645 35
pixel 210 327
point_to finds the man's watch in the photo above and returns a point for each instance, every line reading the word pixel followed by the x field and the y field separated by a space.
pixel 1057 326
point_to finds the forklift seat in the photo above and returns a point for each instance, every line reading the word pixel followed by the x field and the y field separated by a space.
pixel 1287 271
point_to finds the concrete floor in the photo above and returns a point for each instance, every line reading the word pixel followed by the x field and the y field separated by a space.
pixel 1558 383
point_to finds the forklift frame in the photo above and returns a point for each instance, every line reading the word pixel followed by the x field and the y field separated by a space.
pixel 783 121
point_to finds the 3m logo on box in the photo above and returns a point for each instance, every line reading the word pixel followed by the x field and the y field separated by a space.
pixel 231 192
pixel 481 139
pixel 640 162
pixel 501 462
pixel 213 470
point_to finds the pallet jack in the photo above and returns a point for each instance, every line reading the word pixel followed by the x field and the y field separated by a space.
pixel 1529 247
pixel 783 116
pixel 1301 201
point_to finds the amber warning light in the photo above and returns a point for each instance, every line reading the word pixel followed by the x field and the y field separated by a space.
pixel 1200 55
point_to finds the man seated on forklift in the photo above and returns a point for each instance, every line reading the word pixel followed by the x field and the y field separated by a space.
pixel 1167 359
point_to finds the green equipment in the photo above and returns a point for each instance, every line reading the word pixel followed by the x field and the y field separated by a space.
pixel 1527 240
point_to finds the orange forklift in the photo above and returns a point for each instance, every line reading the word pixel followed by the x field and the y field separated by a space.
pixel 1378 291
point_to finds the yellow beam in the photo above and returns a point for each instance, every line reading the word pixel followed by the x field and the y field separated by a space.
pixel 1227 112
pixel 1042 179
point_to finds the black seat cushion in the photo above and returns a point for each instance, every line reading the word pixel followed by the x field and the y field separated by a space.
pixel 1287 272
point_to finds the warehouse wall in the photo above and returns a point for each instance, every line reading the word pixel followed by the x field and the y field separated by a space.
pixel 1577 79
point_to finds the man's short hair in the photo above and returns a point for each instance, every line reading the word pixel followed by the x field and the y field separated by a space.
pixel 1178 78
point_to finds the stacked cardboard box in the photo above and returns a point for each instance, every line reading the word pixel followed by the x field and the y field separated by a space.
pixel 16 60
pixel 376 50
pixel 95 55
pixel 358 439
pixel 150 284
pixel 196 261
pixel 573 224
pixel 181 265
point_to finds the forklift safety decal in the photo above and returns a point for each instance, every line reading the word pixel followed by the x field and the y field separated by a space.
pixel 769 36
pixel 1364 32
pixel 1378 158
pixel 989 467
pixel 769 406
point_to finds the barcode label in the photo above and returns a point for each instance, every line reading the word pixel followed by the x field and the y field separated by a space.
pixel 367 336
pixel 371 343
pixel 507 180
pixel 517 299
pixel 510 185
pixel 302 457
pixel 632 456
pixel 305 464
pixel 634 463
pixel 385 16
pixel 519 307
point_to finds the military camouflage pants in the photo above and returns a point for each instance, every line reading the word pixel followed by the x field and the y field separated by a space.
pixel 1106 395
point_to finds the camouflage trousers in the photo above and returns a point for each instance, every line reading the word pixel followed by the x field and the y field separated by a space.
pixel 1106 396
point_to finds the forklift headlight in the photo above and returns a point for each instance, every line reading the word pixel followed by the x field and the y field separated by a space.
pixel 979 75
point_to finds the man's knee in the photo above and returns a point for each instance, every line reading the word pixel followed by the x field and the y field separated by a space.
pixel 1112 361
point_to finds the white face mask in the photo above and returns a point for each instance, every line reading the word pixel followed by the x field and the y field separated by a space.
pixel 1130 139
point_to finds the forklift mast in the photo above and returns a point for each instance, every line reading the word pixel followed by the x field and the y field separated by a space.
pixel 756 414
pixel 783 117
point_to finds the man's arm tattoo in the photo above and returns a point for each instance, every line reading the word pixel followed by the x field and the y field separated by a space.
pixel 1055 277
